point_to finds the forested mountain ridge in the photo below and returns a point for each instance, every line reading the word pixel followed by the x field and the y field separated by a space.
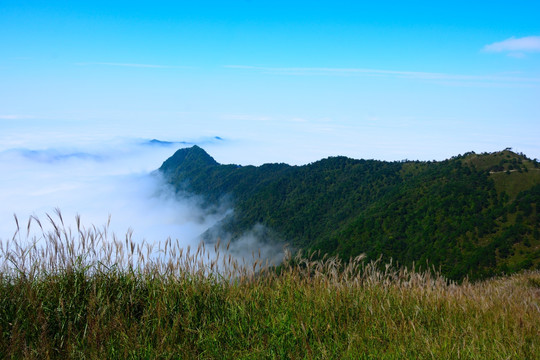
pixel 473 215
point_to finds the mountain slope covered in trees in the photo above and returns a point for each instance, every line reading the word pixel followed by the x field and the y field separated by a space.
pixel 473 215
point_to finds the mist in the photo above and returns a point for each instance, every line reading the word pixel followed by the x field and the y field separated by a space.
pixel 111 181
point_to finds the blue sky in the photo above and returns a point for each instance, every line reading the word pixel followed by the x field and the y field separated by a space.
pixel 283 81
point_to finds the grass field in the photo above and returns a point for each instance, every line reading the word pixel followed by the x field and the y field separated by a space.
pixel 86 294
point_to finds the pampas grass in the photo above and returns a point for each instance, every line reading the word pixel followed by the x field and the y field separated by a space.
pixel 85 293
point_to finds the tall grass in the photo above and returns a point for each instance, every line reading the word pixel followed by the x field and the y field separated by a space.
pixel 88 294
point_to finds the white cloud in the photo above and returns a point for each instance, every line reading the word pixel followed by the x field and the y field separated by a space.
pixel 515 47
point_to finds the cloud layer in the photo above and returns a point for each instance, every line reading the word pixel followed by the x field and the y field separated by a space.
pixel 111 185
pixel 98 181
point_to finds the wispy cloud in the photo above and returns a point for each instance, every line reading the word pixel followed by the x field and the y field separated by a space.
pixel 515 47
pixel 133 65
pixel 14 117
pixel 417 75
pixel 246 117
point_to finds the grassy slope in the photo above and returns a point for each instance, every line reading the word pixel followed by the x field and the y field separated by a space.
pixel 511 173
pixel 74 301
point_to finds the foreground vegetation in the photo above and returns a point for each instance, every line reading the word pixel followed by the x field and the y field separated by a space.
pixel 82 295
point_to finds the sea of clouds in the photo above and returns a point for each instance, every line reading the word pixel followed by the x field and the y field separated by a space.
pixel 115 178
pixel 108 182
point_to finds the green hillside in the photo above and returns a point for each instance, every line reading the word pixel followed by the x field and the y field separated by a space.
pixel 474 215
